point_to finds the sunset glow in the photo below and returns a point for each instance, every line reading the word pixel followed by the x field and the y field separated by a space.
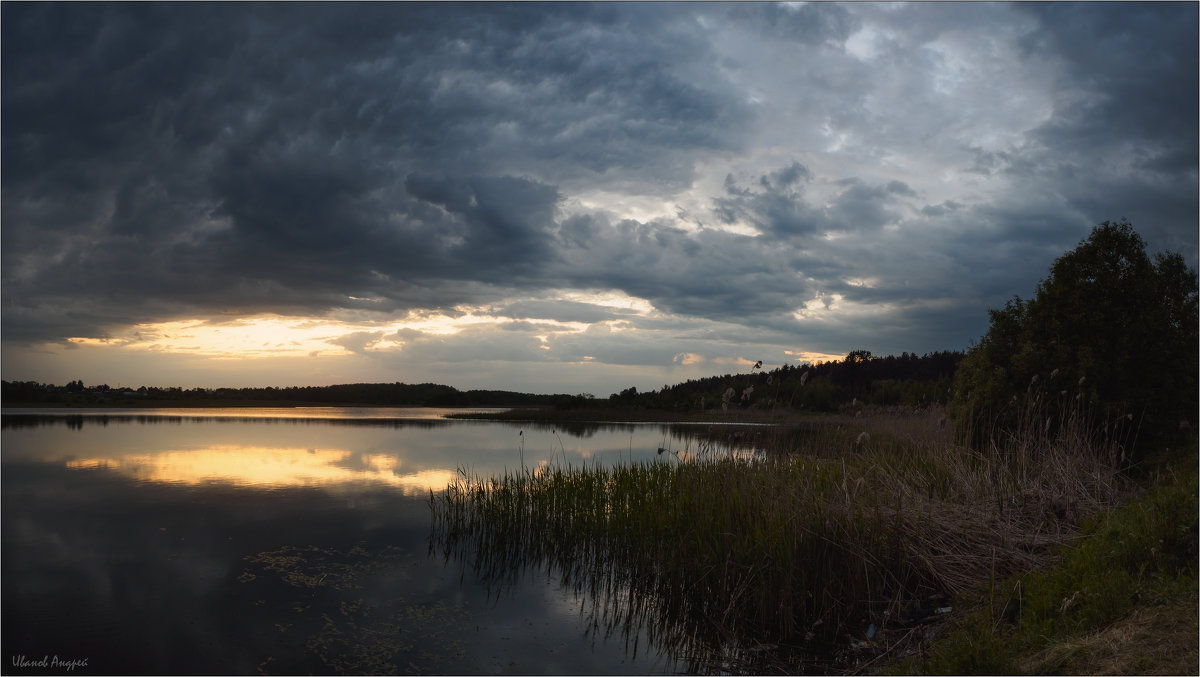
pixel 277 336
pixel 245 338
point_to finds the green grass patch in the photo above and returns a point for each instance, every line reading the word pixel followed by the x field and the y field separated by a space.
pixel 1139 559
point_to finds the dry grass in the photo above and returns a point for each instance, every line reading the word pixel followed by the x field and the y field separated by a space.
pixel 989 514
pixel 1151 641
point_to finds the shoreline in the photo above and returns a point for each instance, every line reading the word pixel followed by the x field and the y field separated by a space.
pixel 506 413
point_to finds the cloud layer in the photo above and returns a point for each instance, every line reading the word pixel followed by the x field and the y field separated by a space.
pixel 750 180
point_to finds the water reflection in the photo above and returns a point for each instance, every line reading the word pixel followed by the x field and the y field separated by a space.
pixel 77 421
pixel 158 544
pixel 621 540
pixel 271 467
pixel 304 414
pixel 393 447
pixel 622 597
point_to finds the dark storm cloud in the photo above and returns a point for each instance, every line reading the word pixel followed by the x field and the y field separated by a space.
pixel 501 222
pixel 942 209
pixel 1126 67
pixel 810 23
pixel 562 311
pixel 174 160
pixel 1123 137
pixel 778 206
pixel 710 273
pixel 283 158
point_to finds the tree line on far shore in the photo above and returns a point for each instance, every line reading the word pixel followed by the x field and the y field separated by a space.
pixel 860 378
pixel 17 393
pixel 904 380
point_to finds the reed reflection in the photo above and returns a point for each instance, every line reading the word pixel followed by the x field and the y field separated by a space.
pixel 616 536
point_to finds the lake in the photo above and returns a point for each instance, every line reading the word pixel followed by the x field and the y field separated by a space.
pixel 282 541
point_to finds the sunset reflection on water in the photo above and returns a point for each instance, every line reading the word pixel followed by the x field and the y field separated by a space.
pixel 289 541
pixel 270 467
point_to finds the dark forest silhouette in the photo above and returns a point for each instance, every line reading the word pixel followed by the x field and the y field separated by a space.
pixel 859 378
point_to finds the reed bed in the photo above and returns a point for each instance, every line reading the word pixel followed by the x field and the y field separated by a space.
pixel 769 562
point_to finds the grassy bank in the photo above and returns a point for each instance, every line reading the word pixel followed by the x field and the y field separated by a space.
pixel 1119 599
pixel 785 562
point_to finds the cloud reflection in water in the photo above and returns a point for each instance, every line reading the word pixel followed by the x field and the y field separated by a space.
pixel 262 467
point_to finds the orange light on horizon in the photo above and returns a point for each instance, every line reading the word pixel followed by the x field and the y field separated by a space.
pixel 251 337
pixel 278 336
pixel 813 357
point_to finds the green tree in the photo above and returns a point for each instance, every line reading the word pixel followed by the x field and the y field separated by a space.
pixel 1109 324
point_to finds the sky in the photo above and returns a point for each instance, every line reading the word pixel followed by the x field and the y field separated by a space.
pixel 568 197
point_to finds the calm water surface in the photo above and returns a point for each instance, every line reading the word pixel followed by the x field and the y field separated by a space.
pixel 281 541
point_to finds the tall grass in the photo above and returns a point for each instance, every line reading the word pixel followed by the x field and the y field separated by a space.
pixel 754 564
